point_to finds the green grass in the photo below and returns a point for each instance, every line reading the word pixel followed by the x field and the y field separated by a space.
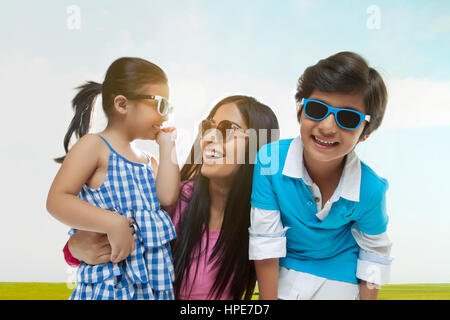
pixel 59 291
pixel 34 291
pixel 439 291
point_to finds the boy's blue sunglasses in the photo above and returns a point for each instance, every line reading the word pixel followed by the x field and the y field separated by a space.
pixel 345 118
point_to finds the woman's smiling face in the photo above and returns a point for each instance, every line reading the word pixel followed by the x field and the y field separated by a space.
pixel 221 157
pixel 324 140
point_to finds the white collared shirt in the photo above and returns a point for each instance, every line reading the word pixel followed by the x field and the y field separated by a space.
pixel 267 235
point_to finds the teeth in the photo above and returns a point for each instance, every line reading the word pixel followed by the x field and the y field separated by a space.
pixel 324 142
pixel 213 154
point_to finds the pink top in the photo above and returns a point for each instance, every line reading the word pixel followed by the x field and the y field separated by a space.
pixel 206 274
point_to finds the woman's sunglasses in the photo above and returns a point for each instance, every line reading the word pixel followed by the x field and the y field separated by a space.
pixel 227 128
pixel 345 118
pixel 164 106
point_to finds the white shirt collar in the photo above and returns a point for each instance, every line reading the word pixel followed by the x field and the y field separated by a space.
pixel 349 184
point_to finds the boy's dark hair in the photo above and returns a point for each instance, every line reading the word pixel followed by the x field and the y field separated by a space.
pixel 346 72
pixel 125 76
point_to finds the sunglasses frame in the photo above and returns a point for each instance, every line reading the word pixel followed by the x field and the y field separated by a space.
pixel 334 111
pixel 216 127
pixel 153 97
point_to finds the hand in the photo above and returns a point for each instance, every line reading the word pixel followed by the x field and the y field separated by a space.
pixel 92 248
pixel 368 291
pixel 121 240
pixel 166 136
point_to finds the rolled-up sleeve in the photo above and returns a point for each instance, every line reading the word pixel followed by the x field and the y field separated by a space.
pixel 374 260
pixel 266 235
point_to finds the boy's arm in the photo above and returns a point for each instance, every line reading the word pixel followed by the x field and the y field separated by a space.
pixel 369 231
pixel 167 173
pixel 267 237
pixel 374 262
pixel 267 244
pixel 368 291
pixel 267 275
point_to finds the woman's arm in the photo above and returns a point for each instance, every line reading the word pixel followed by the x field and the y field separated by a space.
pixel 90 247
pixel 168 172
pixel 63 204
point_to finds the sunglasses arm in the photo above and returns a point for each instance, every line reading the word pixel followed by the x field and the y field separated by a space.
pixel 299 105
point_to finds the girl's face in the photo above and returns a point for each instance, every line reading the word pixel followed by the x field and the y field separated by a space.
pixel 143 119
pixel 324 140
pixel 221 157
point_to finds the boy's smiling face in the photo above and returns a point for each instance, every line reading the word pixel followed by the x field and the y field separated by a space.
pixel 324 140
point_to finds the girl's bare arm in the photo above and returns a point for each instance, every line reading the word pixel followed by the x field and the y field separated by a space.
pixel 168 172
pixel 63 204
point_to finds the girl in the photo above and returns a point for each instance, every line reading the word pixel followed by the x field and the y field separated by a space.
pixel 106 185
pixel 212 212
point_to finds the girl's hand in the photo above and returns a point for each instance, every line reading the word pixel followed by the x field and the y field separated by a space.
pixel 121 240
pixel 166 136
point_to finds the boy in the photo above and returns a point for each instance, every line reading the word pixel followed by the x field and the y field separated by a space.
pixel 318 220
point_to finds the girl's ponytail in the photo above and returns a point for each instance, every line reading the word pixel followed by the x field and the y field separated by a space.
pixel 83 105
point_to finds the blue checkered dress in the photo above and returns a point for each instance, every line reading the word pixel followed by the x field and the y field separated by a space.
pixel 129 189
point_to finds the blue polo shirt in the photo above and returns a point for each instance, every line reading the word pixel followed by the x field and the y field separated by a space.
pixel 325 248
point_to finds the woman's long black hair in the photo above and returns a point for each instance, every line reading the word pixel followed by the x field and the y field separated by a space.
pixel 125 76
pixel 230 253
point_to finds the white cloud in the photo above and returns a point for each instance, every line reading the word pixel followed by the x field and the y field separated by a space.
pixel 36 112
pixel 417 103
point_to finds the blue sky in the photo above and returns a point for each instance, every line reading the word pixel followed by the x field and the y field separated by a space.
pixel 413 33
pixel 211 49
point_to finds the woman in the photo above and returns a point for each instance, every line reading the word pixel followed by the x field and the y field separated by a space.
pixel 212 214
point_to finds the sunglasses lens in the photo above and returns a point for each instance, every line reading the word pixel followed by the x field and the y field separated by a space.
pixel 315 110
pixel 348 119
pixel 163 107
pixel 225 128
